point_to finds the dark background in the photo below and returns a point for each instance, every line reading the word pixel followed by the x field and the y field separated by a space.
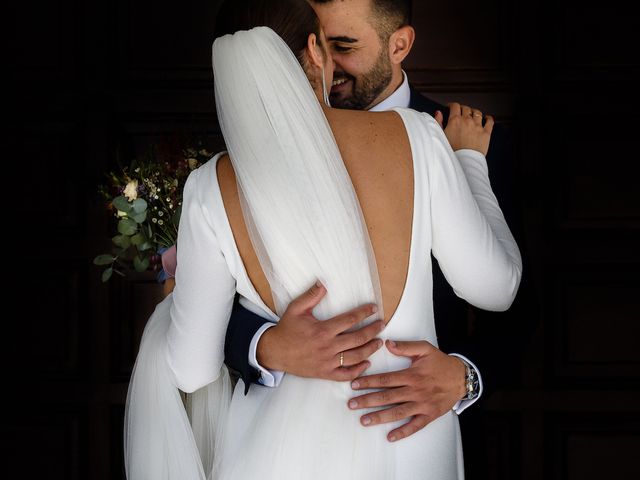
pixel 95 81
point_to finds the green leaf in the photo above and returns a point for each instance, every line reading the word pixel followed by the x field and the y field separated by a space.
pixel 145 246
pixel 106 275
pixel 138 217
pixel 126 226
pixel 140 264
pixel 103 260
pixel 122 204
pixel 137 239
pixel 122 241
pixel 139 205
pixel 176 215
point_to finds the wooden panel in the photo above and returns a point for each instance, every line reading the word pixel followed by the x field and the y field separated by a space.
pixel 596 446
pixel 51 444
pixel 55 172
pixel 588 154
pixel 46 43
pixel 55 324
pixel 116 465
pixel 596 329
pixel 491 444
pixel 134 299
pixel 439 57
pixel 590 37
pixel 158 42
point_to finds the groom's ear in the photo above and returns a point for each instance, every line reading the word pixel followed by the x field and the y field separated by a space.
pixel 400 44
pixel 314 52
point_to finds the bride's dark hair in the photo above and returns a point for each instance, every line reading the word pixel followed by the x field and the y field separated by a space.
pixel 292 20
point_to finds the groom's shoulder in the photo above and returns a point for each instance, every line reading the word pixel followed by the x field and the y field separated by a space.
pixel 422 103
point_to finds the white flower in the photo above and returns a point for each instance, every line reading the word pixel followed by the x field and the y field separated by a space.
pixel 154 220
pixel 192 163
pixel 160 214
pixel 160 222
pixel 121 214
pixel 205 153
pixel 131 190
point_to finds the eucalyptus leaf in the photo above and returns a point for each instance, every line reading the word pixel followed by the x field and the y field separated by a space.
pixel 106 275
pixel 103 260
pixel 139 205
pixel 140 264
pixel 138 217
pixel 122 241
pixel 145 246
pixel 126 226
pixel 137 239
pixel 122 204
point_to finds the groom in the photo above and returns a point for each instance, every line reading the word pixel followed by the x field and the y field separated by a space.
pixel 369 39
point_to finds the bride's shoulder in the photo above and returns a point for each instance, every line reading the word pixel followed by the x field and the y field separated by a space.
pixel 205 177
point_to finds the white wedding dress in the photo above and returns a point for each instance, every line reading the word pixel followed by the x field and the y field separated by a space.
pixel 295 191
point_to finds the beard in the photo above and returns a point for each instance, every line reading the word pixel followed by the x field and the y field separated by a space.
pixel 367 87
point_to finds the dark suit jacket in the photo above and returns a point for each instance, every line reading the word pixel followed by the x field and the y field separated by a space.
pixel 460 328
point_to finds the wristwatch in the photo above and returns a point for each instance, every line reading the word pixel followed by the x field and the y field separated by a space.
pixel 470 381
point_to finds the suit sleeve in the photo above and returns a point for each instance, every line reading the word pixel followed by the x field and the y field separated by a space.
pixel 243 326
pixel 470 238
pixel 204 292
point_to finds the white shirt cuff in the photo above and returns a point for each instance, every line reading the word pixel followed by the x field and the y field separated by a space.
pixel 462 405
pixel 268 378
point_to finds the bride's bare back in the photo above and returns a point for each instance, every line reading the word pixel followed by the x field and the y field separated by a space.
pixel 376 152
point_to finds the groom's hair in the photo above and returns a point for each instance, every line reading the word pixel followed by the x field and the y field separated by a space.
pixel 292 20
pixel 388 15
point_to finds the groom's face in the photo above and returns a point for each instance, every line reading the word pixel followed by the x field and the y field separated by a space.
pixel 362 65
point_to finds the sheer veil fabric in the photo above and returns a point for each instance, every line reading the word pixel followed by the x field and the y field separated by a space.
pixel 302 212
pixel 305 224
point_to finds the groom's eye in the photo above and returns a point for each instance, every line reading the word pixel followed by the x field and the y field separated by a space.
pixel 342 49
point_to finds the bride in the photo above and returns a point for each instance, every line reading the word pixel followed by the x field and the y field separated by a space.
pixel 355 201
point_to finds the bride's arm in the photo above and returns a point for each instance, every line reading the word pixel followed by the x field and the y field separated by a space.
pixel 471 240
pixel 204 292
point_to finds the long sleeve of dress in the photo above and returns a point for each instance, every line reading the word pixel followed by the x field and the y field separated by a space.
pixel 204 292
pixel 471 240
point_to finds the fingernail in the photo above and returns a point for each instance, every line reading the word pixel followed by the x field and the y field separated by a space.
pixel 374 309
pixel 353 404
pixel 380 343
pixel 392 343
pixel 355 384
pixel 318 283
pixel 366 420
pixel 392 438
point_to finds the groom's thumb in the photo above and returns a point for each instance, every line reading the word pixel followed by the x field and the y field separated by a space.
pixel 410 349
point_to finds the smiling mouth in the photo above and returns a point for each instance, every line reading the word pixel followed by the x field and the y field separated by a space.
pixel 341 86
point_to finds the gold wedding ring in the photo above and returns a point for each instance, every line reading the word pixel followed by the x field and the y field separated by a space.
pixel 341 358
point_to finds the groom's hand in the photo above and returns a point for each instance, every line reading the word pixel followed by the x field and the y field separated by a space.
pixel 429 388
pixel 307 347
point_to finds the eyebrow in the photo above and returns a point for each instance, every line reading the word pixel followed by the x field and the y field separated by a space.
pixel 343 39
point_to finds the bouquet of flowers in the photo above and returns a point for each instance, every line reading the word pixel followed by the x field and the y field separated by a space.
pixel 145 199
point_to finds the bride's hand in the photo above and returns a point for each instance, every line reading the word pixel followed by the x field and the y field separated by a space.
pixel 464 128
pixel 307 347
